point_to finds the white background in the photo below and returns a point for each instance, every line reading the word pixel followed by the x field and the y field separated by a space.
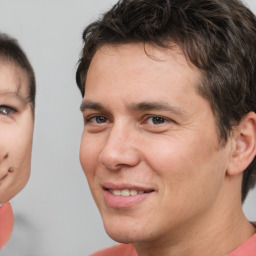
pixel 55 214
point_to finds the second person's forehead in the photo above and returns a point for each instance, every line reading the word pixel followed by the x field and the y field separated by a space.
pixel 14 79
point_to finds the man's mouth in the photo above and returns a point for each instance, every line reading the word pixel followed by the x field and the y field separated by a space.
pixel 125 197
pixel 126 192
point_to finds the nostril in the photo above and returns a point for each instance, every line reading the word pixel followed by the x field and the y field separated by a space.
pixel 119 159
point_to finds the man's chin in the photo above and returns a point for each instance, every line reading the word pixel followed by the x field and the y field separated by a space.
pixel 125 227
pixel 122 236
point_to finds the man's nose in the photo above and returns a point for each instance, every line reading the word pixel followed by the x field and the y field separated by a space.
pixel 120 149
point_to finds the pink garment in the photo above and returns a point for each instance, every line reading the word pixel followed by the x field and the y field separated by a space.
pixel 6 223
pixel 118 250
pixel 246 249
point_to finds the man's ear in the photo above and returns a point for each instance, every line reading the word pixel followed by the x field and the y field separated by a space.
pixel 243 145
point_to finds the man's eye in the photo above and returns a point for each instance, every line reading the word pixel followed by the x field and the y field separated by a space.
pixel 5 110
pixel 156 120
pixel 100 119
pixel 96 119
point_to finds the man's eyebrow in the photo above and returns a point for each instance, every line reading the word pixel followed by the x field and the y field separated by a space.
pixel 86 104
pixel 136 107
pixel 161 106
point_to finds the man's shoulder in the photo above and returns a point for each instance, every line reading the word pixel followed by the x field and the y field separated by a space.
pixel 117 250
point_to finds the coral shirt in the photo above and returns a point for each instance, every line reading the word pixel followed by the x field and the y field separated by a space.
pixel 246 249
pixel 6 223
pixel 118 250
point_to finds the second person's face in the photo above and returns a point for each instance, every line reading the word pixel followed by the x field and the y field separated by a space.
pixel 16 130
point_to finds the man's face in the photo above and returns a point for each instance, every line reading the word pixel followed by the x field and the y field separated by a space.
pixel 150 148
pixel 16 130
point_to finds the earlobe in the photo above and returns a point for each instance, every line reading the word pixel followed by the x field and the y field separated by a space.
pixel 244 145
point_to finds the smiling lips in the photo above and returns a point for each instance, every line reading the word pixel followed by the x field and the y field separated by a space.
pixel 126 192
pixel 125 197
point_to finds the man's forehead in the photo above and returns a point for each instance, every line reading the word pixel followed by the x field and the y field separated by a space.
pixel 129 56
pixel 152 50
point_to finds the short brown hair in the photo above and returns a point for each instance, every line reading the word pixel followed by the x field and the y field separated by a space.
pixel 217 36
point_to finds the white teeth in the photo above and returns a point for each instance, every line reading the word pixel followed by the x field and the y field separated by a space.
pixel 134 192
pixel 116 192
pixel 126 192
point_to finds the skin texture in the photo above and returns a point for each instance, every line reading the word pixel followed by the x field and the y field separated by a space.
pixel 16 130
pixel 147 128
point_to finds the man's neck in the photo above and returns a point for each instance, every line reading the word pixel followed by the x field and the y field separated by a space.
pixel 229 231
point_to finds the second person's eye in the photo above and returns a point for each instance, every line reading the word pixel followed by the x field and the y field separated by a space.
pixel 5 110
